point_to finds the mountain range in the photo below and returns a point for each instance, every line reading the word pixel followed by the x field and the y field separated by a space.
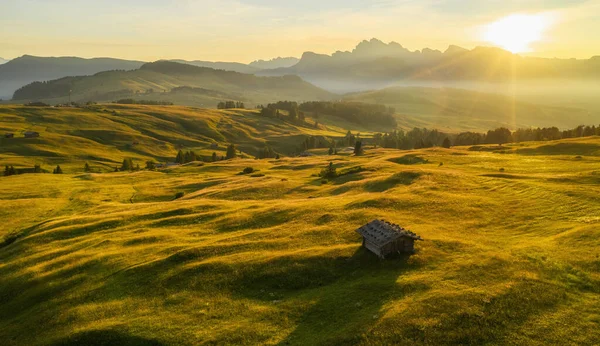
pixel 375 64
pixel 371 65
pixel 218 65
pixel 251 68
pixel 274 63
pixel 173 82
pixel 27 69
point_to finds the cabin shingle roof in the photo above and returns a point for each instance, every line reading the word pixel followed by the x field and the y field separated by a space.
pixel 381 232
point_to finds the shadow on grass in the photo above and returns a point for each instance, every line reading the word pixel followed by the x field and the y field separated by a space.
pixel 347 295
pixel 410 159
pixel 587 149
pixel 402 178
pixel 105 338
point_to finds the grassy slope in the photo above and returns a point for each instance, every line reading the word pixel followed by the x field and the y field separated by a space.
pixel 103 135
pixel 453 110
pixel 508 257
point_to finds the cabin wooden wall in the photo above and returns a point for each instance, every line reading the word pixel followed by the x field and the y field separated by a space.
pixel 402 245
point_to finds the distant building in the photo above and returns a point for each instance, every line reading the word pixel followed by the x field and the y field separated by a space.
pixel 166 165
pixel 9 135
pixel 385 239
pixel 306 154
pixel 31 134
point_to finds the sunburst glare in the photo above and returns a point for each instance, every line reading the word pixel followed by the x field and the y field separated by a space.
pixel 517 32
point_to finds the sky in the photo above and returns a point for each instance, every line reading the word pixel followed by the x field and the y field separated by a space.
pixel 246 30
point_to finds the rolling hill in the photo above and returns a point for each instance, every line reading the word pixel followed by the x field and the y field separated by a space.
pixel 105 134
pixel 27 69
pixel 170 81
pixel 273 257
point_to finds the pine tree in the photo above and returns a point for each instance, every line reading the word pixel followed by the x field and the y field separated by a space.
pixel 37 169
pixel 231 152
pixel 180 157
pixel 329 172
pixel 137 167
pixel 302 117
pixel 446 143
pixel 293 114
pixel 331 150
pixel 127 165
pixel 214 157
pixel 57 170
pixel 87 168
pixel 150 165
pixel 358 150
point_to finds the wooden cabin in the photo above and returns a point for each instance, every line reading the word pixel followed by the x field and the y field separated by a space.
pixel 31 134
pixel 384 238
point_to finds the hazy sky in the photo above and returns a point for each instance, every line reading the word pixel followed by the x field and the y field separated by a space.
pixel 245 30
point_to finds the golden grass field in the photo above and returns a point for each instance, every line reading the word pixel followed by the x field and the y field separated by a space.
pixel 509 257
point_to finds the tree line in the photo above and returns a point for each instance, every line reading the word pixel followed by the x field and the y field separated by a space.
pixel 424 138
pixel 143 102
pixel 230 105
pixel 356 112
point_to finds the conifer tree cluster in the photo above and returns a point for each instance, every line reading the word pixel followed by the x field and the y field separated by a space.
pixel 267 153
pixel 127 165
pixel 57 170
pixel 272 110
pixel 9 170
pixel 230 105
pixel 185 157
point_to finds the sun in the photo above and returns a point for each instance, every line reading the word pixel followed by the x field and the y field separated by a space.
pixel 517 32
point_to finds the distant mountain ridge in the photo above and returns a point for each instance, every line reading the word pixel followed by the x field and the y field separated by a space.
pixel 27 69
pixel 375 64
pixel 175 82
pixel 274 63
pixel 218 65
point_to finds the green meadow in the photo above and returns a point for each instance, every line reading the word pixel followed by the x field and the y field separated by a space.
pixel 511 250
